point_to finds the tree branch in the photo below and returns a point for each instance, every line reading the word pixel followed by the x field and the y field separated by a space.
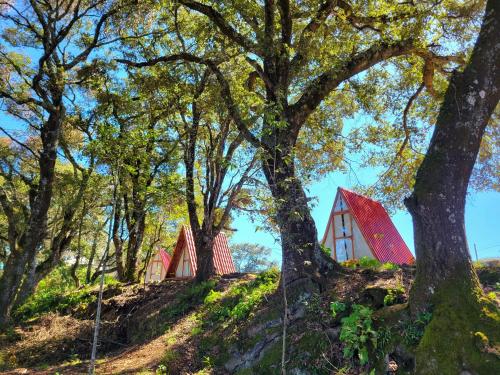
pixel 222 24
pixel 224 87
pixel 321 86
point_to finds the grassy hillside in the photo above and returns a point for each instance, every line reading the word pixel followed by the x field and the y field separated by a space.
pixel 232 324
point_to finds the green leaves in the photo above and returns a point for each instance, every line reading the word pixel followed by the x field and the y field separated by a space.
pixel 357 333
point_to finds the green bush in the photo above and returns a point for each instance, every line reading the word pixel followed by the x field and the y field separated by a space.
pixel 55 293
pixel 336 307
pixel 367 262
pixel 357 332
pixel 370 263
pixel 326 250
pixel 393 294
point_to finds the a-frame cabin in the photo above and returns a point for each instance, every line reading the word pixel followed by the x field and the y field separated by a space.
pixel 359 226
pixel 183 264
pixel 157 267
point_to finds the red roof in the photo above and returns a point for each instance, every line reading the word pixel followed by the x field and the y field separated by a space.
pixel 223 260
pixel 377 228
pixel 165 258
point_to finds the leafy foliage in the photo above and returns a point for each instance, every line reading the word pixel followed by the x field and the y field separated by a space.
pixel 56 293
pixel 393 295
pixel 336 307
pixel 357 333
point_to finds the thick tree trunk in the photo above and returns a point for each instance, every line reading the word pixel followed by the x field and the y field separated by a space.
pixel 446 282
pixel 136 237
pixel 37 223
pixel 205 256
pixel 437 204
pixel 303 263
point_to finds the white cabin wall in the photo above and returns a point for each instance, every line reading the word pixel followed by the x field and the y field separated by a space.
pixel 361 248
pixel 184 266
pixel 180 265
pixel 155 269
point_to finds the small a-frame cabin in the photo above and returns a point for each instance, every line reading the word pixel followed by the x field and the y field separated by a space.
pixel 359 226
pixel 183 264
pixel 157 267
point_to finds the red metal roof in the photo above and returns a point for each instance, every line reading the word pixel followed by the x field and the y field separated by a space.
pixel 223 260
pixel 377 228
pixel 165 258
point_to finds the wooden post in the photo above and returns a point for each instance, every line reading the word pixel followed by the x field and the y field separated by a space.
pixel 475 250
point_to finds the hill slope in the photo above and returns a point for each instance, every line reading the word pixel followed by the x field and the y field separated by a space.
pixel 230 325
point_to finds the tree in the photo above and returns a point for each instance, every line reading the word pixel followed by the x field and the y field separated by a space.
pixel 248 257
pixel 296 55
pixel 214 155
pixel 135 142
pixel 446 281
pixel 57 31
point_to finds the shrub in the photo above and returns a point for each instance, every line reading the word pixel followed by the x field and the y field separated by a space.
pixel 326 250
pixel 52 300
pixel 336 307
pixel 367 262
pixel 357 332
pixel 389 266
pixel 393 294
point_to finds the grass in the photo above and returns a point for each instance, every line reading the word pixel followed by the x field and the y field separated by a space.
pixel 57 293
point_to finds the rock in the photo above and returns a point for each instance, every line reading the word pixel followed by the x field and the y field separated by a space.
pixel 240 361
pixel 255 330
pixel 374 296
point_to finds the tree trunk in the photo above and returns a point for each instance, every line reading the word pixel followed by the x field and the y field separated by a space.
pixel 437 204
pixel 205 256
pixel 93 251
pixel 136 237
pixel 446 281
pixel 303 263
pixel 37 224
pixel 118 242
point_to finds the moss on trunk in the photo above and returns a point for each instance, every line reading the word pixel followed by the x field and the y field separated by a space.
pixel 463 332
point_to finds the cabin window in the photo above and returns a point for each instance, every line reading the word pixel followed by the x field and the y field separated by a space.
pixel 343 247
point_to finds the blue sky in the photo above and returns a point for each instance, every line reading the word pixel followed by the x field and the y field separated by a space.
pixel 481 218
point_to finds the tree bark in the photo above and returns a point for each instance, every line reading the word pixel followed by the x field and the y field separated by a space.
pixel 134 245
pixel 437 204
pixel 446 282
pixel 204 242
pixel 93 251
pixel 303 263
pixel 37 224
pixel 118 242
pixel 74 267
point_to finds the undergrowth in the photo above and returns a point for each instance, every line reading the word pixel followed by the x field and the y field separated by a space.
pixel 240 300
pixel 221 311
pixel 369 263
pixel 57 293
pixel 357 333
